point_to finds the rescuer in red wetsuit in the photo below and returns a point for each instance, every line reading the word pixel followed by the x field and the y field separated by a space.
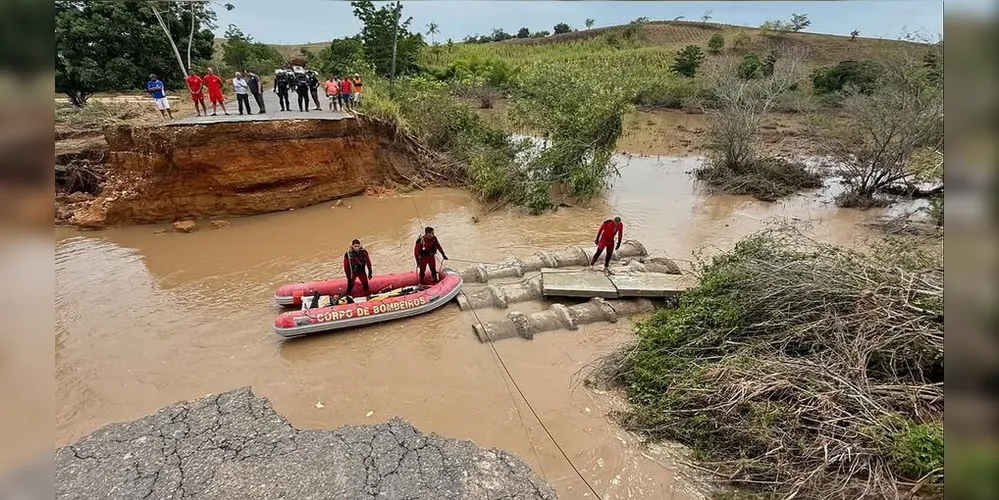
pixel 425 252
pixel 605 240
pixel 355 262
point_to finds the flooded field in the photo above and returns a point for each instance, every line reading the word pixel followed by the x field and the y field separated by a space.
pixel 147 318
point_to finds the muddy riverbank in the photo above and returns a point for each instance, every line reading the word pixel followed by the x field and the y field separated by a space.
pixel 146 319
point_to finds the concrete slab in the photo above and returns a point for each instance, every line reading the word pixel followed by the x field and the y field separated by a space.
pixel 576 283
pixel 650 284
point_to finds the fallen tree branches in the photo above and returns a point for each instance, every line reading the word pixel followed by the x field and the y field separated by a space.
pixel 800 369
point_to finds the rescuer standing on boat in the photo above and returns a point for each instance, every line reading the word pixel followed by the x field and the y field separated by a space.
pixel 605 240
pixel 355 262
pixel 425 252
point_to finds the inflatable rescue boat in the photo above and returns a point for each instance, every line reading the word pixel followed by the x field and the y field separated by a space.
pixel 394 296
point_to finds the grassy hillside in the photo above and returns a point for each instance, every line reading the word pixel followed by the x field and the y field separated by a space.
pixel 656 41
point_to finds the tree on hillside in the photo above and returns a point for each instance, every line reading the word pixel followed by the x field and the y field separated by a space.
pixel 433 30
pixel 854 34
pixel 799 22
pixel 589 23
pixel 706 17
pixel 106 46
pixel 498 35
pixel 377 35
pixel 342 56
pixel 561 28
pixel 716 43
pixel 540 34
pixel 688 60
pixel 240 52
pixel 523 33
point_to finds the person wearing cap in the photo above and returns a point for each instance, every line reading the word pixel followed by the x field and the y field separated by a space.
pixel 155 88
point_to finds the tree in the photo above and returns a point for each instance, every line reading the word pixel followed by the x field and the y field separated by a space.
pixel 523 33
pixel 688 60
pixel 734 123
pixel 540 34
pixel 854 34
pixel 379 26
pixel 706 16
pixel 561 28
pixel 433 31
pixel 716 43
pixel 589 23
pixel 799 22
pixel 901 116
pixel 498 35
pixel 343 56
pixel 769 64
pixel 107 46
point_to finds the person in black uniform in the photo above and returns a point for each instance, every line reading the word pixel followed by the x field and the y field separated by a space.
pixel 281 87
pixel 302 89
pixel 314 88
pixel 256 88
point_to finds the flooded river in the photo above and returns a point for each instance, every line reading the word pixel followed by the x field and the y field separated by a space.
pixel 147 319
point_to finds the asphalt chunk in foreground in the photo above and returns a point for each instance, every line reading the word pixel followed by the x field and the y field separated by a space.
pixel 234 446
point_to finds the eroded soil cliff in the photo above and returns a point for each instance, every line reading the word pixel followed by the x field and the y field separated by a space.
pixel 164 173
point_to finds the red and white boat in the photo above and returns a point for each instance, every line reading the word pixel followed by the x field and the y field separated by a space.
pixel 394 296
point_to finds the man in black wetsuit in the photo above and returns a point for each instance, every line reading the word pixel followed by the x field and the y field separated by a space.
pixel 302 89
pixel 282 84
pixel 314 88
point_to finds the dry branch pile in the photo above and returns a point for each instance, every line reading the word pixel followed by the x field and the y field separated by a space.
pixel 800 369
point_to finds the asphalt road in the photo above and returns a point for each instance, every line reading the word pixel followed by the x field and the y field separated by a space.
pixel 271 104
pixel 234 446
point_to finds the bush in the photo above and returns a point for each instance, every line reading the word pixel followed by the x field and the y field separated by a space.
pixel 741 40
pixel 799 369
pixel 688 60
pixel 766 179
pixel 716 43
pixel 749 67
pixel 582 118
pixel 862 75
pixel 897 119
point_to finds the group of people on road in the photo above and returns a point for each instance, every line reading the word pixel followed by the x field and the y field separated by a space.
pixel 243 85
pixel 357 261
pixel 343 94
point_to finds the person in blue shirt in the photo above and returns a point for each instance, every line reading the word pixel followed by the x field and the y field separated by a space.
pixel 155 89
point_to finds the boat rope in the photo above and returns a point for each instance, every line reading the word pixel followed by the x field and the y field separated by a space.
pixel 509 375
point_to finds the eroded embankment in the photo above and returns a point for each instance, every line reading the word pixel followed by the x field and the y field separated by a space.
pixel 161 174
pixel 234 445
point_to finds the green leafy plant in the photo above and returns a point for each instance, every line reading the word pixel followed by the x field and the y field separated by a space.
pixel 688 60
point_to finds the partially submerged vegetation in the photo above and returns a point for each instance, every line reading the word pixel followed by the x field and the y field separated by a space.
pixel 800 369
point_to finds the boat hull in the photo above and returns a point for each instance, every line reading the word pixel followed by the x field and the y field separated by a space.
pixel 294 324
pixel 291 294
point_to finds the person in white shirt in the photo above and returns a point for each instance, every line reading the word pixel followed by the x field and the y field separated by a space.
pixel 242 93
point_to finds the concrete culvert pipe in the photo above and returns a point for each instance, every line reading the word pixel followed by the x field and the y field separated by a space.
pixel 559 317
pixel 572 256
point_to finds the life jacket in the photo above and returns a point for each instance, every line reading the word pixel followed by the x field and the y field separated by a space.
pixel 358 259
pixel 427 246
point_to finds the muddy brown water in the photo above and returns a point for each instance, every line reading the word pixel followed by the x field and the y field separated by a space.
pixel 147 319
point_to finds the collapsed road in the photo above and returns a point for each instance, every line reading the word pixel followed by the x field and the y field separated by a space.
pixel 233 445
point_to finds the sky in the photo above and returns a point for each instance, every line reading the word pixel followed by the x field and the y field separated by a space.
pixel 307 21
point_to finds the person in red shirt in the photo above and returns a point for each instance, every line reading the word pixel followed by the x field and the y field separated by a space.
pixel 425 253
pixel 355 262
pixel 605 240
pixel 214 84
pixel 197 87
pixel 347 91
